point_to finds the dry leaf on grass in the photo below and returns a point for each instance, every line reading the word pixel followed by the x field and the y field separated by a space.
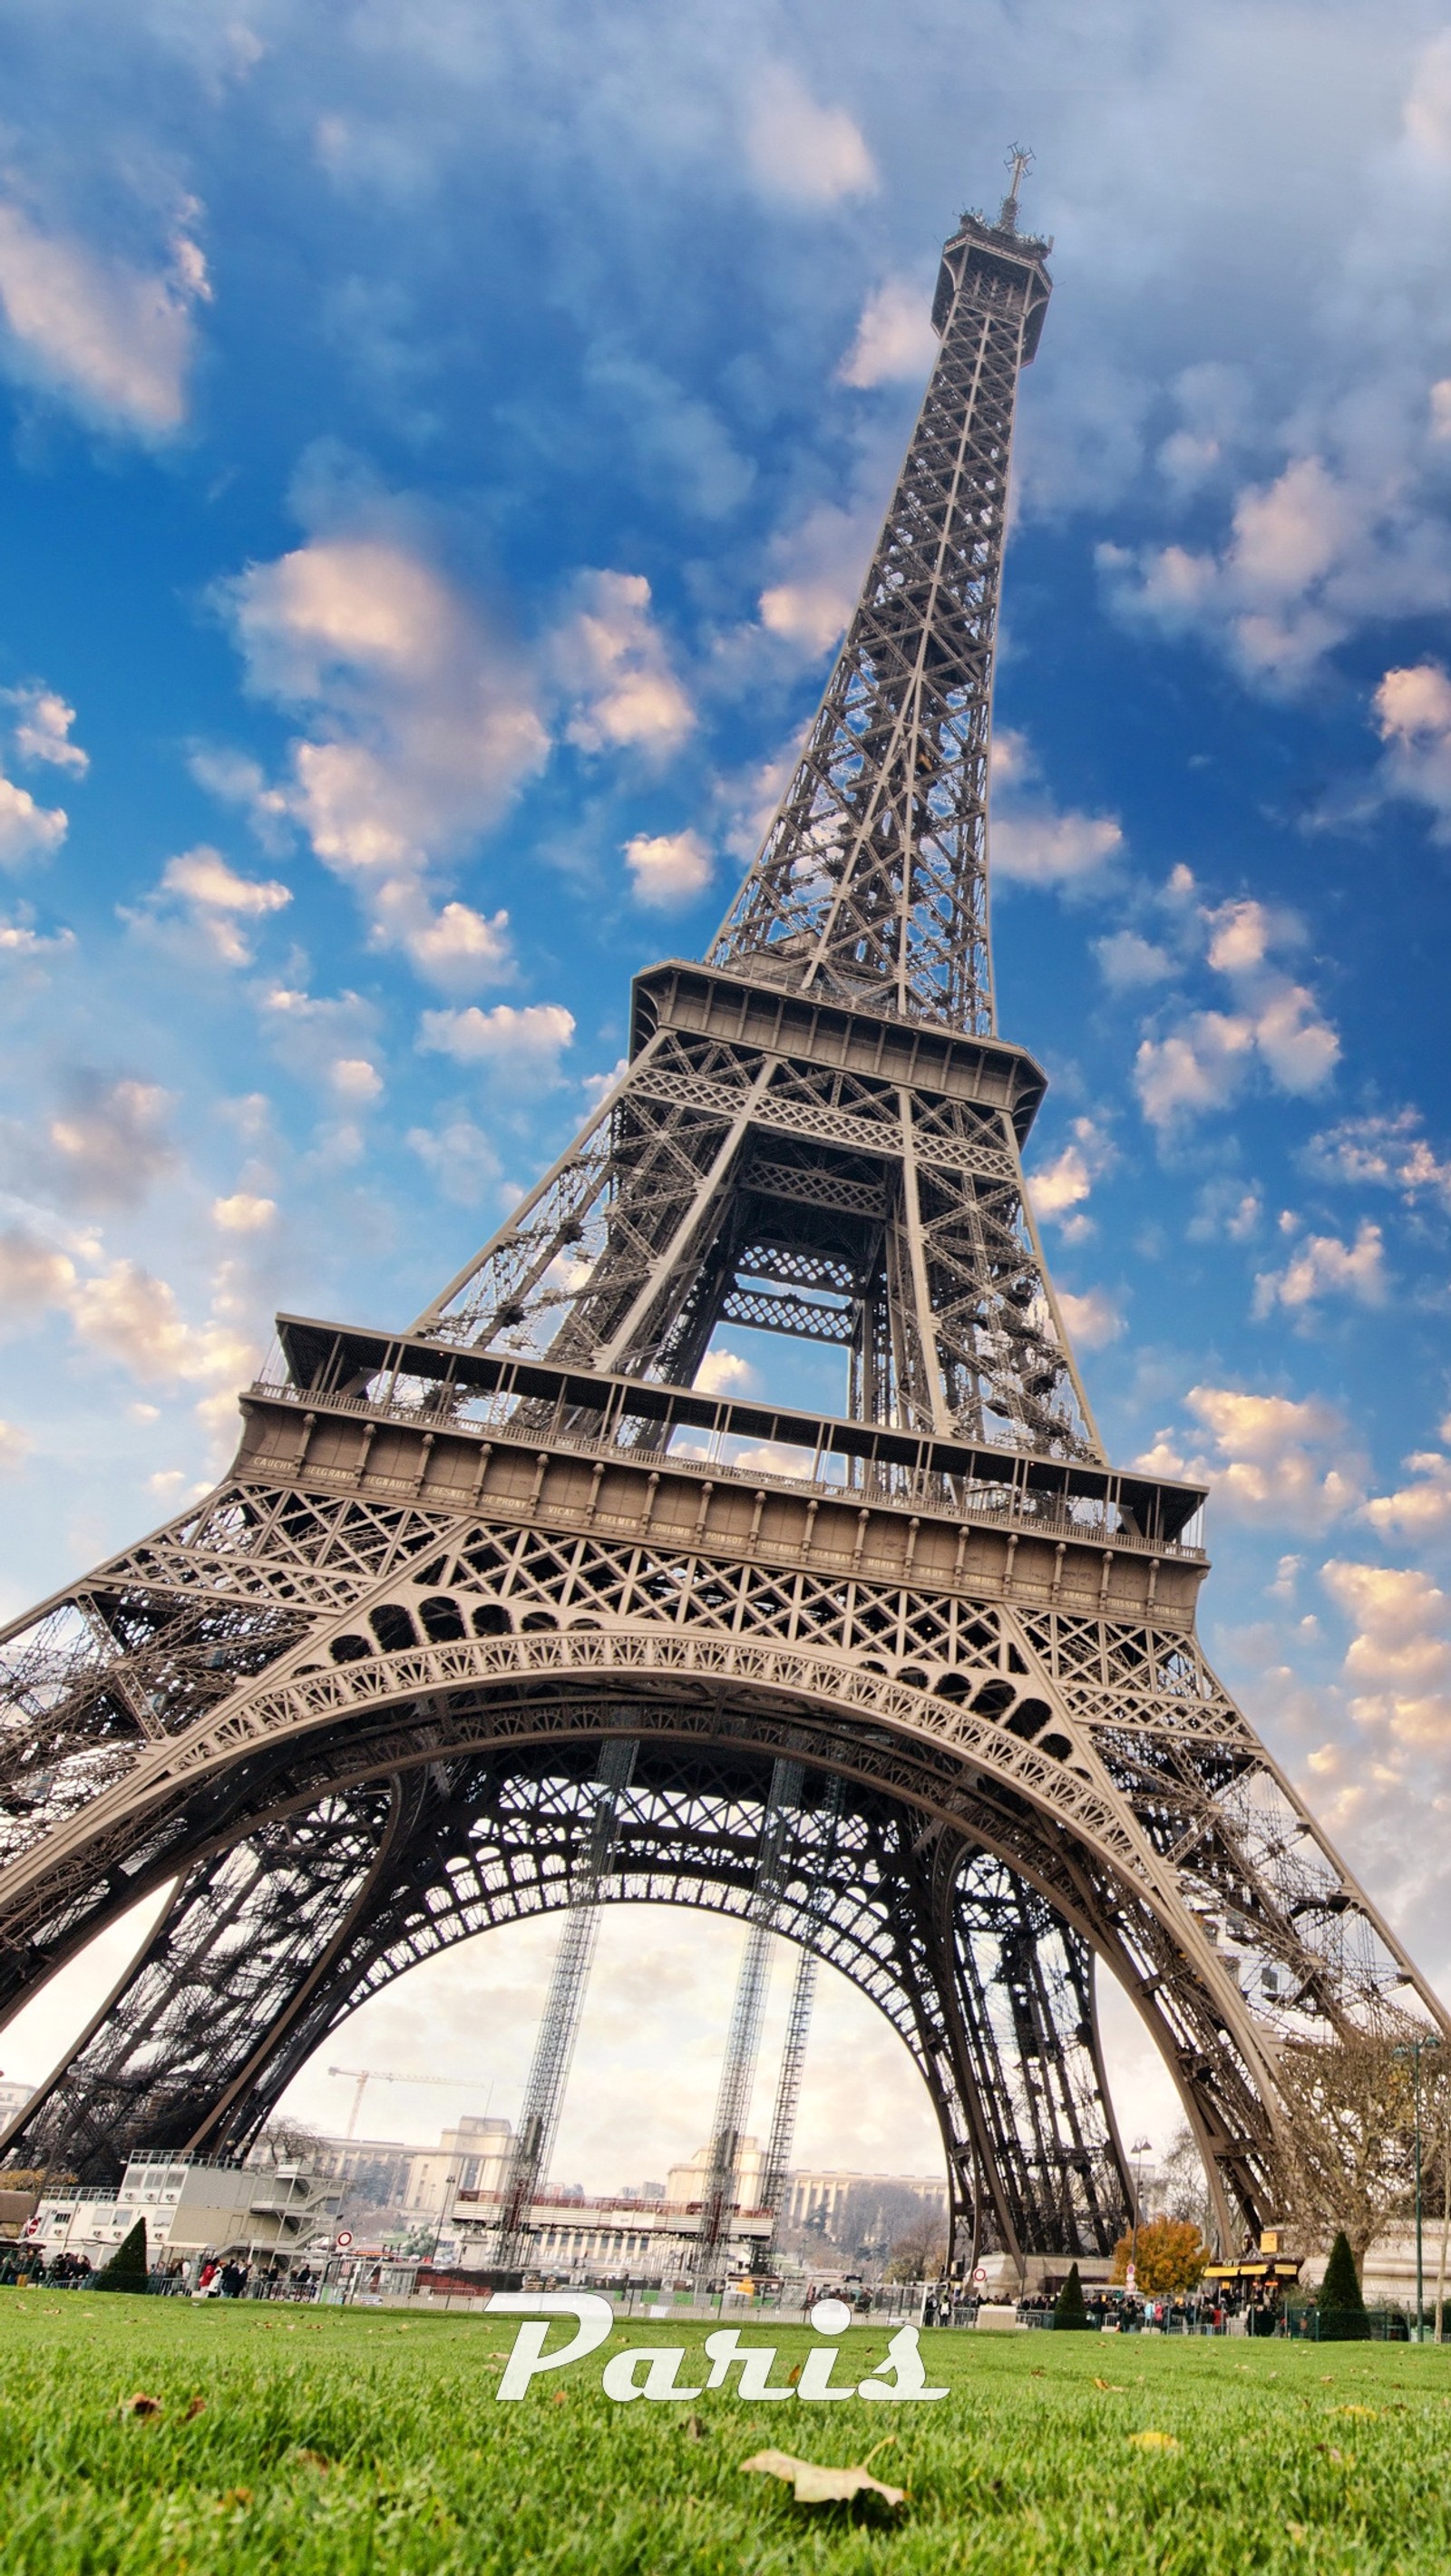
pixel 197 2406
pixel 138 2403
pixel 812 2484
pixel 1154 2441
pixel 1114 2386
pixel 694 2429
pixel 1371 2411
pixel 315 2460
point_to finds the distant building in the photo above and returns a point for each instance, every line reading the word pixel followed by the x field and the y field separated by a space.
pixel 13 2098
pixel 192 2206
pixel 815 2199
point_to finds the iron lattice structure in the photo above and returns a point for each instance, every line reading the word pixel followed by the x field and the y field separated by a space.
pixel 352 1706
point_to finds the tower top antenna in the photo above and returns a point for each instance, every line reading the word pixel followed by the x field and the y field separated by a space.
pixel 1019 160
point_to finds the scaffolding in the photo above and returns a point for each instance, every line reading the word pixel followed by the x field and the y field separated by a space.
pixel 743 2039
pixel 563 2009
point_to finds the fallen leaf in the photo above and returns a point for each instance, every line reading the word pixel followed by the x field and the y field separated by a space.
pixel 1112 2384
pixel 198 2406
pixel 315 2460
pixel 793 2374
pixel 234 2495
pixel 558 2398
pixel 1154 2441
pixel 139 2404
pixel 813 2484
pixel 1371 2411
pixel 694 2429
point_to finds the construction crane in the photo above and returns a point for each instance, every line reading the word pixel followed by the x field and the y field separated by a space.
pixel 363 2076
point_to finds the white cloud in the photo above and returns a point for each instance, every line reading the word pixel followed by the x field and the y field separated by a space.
pixel 34 1275
pixel 1270 1458
pixel 1276 1029
pixel 822 561
pixel 1127 961
pixel 1422 1509
pixel 113 341
pixel 895 342
pixel 41 728
pixel 805 153
pixel 18 940
pixel 1413 717
pixel 613 659
pixel 1060 1186
pixel 1310 555
pixel 526 1043
pixel 27 830
pixel 724 1372
pixel 355 1080
pixel 422 728
pixel 1399 1659
pixel 107 1143
pixel 243 1213
pixel 1031 841
pixel 213 900
pixel 1092 1318
pixel 1385 1152
pixel 15 1448
pixel 461 1158
pixel 1324 1266
pixel 668 869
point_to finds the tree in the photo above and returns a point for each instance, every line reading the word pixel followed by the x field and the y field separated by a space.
pixel 127 2267
pixel 1170 2255
pixel 1340 2306
pixel 1070 2316
pixel 918 2254
pixel 1184 2183
pixel 1347 2162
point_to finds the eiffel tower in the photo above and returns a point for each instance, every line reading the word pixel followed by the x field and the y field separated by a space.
pixel 358 1704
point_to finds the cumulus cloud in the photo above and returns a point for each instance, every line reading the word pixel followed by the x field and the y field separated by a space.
pixel 1060 1188
pixel 15 1447
pixel 1269 1459
pixel 821 562
pixel 421 729
pixel 725 1372
pixel 112 341
pixel 808 154
pixel 461 1158
pixel 612 657
pixel 895 342
pixel 41 727
pixel 244 1213
pixel 213 903
pixel 1398 1661
pixel 27 830
pixel 1324 1266
pixel 667 869
pixel 523 1044
pixel 1413 717
pixel 1422 1508
pixel 1032 841
pixel 1382 1152
pixel 107 1143
pixel 1092 1318
pixel 1309 557
pixel 123 1312
pixel 1126 961
pixel 1277 1028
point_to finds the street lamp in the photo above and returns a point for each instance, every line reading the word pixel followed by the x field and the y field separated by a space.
pixel 1413 2048
pixel 1141 2147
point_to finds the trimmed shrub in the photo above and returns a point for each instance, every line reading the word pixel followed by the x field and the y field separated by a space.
pixel 1070 2316
pixel 127 2267
pixel 1340 2308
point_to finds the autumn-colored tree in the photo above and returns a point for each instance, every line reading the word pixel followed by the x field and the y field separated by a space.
pixel 1170 2256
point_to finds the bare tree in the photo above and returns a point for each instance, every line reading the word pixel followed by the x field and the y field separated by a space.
pixel 1349 2158
pixel 1183 2185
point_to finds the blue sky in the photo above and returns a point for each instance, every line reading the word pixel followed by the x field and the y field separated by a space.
pixel 440 446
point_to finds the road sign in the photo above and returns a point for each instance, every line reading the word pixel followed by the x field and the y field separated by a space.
pixel 979 2272
pixel 1131 2278
pixel 343 2239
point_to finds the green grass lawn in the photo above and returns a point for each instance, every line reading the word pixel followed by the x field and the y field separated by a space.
pixel 366 2440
